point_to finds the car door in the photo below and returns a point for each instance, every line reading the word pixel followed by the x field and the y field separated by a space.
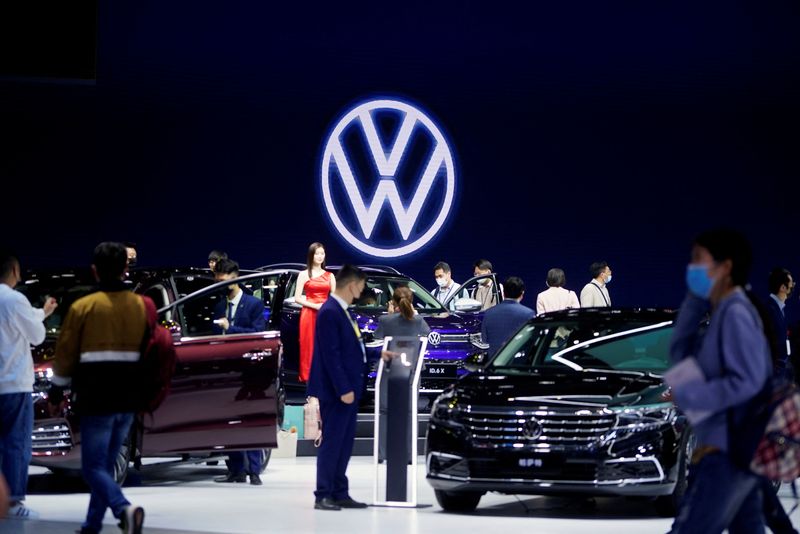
pixel 288 322
pixel 226 393
pixel 472 293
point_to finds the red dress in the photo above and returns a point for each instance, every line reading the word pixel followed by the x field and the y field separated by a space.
pixel 316 290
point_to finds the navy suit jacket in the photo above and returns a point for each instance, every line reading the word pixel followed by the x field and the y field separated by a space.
pixel 502 321
pixel 778 324
pixel 248 317
pixel 337 365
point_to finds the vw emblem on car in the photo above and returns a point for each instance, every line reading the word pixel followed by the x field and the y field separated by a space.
pixel 409 173
pixel 434 338
pixel 532 429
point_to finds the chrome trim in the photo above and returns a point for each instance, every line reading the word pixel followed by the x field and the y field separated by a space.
pixel 537 481
pixel 267 334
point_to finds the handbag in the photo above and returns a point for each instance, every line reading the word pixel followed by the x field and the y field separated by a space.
pixel 312 421
pixel 777 456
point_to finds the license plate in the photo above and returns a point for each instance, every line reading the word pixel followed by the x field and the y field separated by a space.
pixel 440 371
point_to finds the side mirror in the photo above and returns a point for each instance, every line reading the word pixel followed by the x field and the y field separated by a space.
pixel 475 361
pixel 468 305
pixel 290 303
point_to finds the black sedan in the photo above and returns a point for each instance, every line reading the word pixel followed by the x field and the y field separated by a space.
pixel 573 403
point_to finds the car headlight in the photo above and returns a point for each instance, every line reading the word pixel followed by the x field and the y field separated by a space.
pixel 445 408
pixel 632 420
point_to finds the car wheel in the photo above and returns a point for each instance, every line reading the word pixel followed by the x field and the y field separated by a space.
pixel 122 462
pixel 265 456
pixel 667 505
pixel 458 501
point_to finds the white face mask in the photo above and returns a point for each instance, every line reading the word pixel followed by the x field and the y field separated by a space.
pixel 441 282
pixel 608 279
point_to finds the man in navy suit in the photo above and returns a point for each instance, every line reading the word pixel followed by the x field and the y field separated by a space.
pixel 338 367
pixel 502 321
pixel 239 313
pixel 781 285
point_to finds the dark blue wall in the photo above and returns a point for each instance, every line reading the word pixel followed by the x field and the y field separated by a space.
pixel 588 131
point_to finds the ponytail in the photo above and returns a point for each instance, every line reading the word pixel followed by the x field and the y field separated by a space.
pixel 403 298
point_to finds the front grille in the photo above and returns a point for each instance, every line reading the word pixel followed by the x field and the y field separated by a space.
pixel 52 438
pixel 492 427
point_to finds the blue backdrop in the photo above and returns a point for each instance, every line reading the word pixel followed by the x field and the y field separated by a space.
pixel 580 131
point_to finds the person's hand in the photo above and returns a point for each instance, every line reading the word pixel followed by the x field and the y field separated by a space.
pixel 224 323
pixel 50 305
pixel 667 395
pixel 388 355
pixel 348 398
pixel 390 307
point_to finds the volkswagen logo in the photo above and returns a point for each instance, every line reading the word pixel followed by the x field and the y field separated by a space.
pixel 363 175
pixel 532 429
pixel 434 338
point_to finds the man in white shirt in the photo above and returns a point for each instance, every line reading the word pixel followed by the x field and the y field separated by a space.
pixel 445 285
pixel 595 293
pixel 21 325
pixel 556 297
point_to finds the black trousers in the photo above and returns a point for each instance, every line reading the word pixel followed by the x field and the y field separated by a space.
pixel 338 435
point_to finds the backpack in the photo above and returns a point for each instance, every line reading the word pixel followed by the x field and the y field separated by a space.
pixel 157 363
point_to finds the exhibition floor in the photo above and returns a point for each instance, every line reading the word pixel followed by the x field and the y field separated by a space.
pixel 185 500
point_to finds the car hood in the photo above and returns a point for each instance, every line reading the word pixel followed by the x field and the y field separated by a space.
pixel 444 323
pixel 588 388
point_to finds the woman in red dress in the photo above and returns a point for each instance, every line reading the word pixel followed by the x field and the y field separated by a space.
pixel 313 287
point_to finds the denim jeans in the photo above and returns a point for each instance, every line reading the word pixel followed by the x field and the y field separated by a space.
pixel 101 439
pixel 720 495
pixel 16 430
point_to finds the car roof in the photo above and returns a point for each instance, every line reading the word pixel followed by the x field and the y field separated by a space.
pixel 613 313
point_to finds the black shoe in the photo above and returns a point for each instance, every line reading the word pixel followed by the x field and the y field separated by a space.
pixel 255 480
pixel 230 477
pixel 350 503
pixel 326 503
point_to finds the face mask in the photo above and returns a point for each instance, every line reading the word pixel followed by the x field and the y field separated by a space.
pixel 441 282
pixel 608 279
pixel 699 282
pixel 132 262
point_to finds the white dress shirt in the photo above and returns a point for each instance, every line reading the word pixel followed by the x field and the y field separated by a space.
pixel 236 300
pixel 20 327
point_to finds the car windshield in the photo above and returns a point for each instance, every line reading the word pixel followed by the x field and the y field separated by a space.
pixel 602 343
pixel 66 288
pixel 378 290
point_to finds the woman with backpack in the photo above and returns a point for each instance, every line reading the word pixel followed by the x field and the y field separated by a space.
pixel 719 372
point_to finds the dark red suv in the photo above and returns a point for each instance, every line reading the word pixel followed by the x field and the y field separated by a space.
pixel 226 393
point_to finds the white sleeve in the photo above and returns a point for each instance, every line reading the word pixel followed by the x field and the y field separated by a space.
pixel 29 320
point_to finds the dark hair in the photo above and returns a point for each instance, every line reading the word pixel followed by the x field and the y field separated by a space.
pixel 403 298
pixel 443 266
pixel 555 277
pixel 312 249
pixel 726 244
pixel 216 255
pixel 349 273
pixel 7 262
pixel 597 268
pixel 226 266
pixel 483 265
pixel 109 260
pixel 513 287
pixel 778 277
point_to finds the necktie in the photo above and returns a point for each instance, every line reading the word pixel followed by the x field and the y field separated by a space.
pixel 230 311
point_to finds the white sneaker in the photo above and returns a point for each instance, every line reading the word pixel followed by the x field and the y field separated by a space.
pixel 20 511
pixel 132 520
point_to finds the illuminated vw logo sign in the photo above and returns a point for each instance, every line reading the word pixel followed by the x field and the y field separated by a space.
pixel 532 429
pixel 434 338
pixel 388 178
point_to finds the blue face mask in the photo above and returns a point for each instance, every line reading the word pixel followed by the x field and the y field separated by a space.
pixel 608 279
pixel 699 282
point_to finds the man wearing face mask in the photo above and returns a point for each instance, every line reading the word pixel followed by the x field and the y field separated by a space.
pixel 445 285
pixel 484 293
pixel 595 293
pixel 338 368
pixel 238 313
pixel 718 372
